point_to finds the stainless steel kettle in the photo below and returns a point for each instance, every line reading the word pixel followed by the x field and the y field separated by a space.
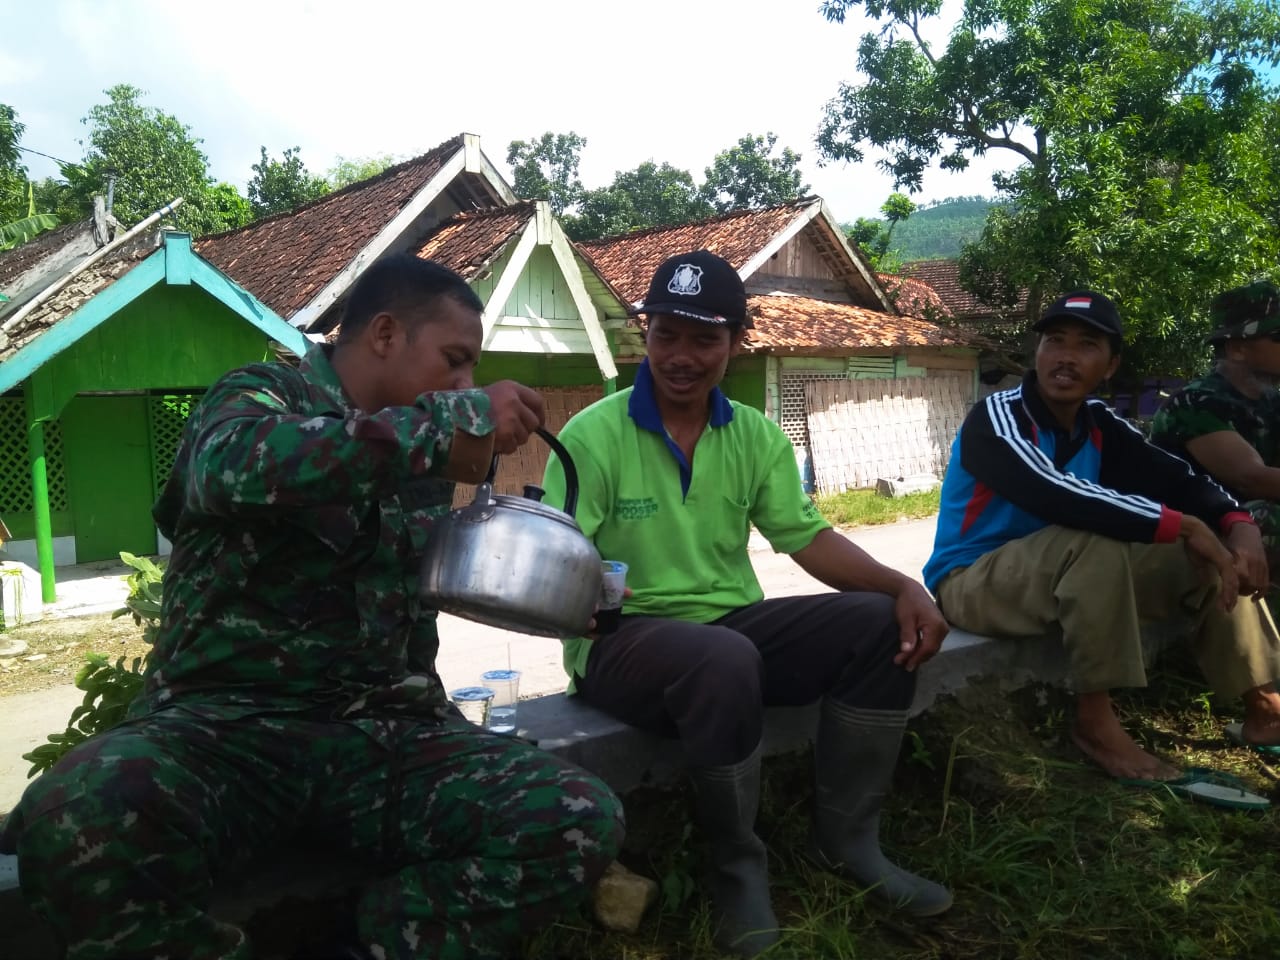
pixel 515 562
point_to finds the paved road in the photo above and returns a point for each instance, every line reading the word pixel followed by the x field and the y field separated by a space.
pixel 466 649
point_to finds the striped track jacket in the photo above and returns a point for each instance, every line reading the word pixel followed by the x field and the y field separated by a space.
pixel 1014 470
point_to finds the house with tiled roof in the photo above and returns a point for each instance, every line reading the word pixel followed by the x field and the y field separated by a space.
pixel 943 277
pixel 302 263
pixel 549 315
pixel 823 319
pixel 106 339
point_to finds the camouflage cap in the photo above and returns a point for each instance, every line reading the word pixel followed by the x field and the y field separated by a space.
pixel 1243 312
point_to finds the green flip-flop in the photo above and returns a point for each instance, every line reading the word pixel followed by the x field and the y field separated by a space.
pixel 1235 733
pixel 1209 786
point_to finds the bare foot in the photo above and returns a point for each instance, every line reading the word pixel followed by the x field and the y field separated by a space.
pixel 1261 716
pixel 1123 758
pixel 1101 738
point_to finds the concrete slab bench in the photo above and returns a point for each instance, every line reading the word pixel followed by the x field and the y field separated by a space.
pixel 621 755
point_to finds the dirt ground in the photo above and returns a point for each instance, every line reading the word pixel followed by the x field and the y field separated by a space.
pixel 56 649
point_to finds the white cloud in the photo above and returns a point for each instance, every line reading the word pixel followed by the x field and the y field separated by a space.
pixel 667 80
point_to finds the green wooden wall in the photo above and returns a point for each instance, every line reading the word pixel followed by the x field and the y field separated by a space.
pixel 170 337
pixel 538 370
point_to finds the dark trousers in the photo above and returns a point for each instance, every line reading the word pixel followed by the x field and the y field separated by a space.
pixel 708 683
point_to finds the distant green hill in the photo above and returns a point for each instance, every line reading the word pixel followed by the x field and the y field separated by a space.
pixel 936 231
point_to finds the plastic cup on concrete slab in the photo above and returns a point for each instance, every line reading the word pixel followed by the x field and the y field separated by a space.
pixel 612 590
pixel 473 703
pixel 505 685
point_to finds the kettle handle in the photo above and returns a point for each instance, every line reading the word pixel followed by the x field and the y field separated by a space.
pixel 566 463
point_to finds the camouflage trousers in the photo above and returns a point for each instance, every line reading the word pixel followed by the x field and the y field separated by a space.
pixel 483 838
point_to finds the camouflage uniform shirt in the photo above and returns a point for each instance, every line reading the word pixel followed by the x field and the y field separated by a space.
pixel 297 524
pixel 1210 405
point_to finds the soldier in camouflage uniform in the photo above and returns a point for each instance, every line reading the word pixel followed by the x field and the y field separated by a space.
pixel 292 693
pixel 1227 423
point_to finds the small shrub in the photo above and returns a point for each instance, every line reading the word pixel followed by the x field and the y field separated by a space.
pixel 108 687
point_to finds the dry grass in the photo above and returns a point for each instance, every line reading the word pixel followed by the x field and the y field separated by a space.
pixel 56 649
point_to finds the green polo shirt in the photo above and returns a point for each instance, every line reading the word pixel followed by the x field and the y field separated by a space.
pixel 681 528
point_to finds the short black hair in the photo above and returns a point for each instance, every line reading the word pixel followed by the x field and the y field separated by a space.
pixel 398 283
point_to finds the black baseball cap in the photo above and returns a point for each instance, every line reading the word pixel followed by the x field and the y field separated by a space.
pixel 1088 307
pixel 698 285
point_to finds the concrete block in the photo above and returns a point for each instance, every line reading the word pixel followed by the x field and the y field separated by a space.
pixel 622 897
pixel 901 486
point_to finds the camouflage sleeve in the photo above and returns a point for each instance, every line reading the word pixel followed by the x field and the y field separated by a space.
pixel 255 445
pixel 1189 415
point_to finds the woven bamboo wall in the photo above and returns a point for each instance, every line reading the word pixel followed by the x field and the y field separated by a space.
pixel 861 430
pixel 527 464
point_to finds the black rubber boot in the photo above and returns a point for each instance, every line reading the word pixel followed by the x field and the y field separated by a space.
pixel 726 800
pixel 854 758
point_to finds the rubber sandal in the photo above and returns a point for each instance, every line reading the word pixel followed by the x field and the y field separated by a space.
pixel 1209 786
pixel 1235 733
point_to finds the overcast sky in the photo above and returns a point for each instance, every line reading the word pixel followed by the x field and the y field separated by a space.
pixel 673 81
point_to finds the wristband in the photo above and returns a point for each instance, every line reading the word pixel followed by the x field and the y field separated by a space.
pixel 1229 520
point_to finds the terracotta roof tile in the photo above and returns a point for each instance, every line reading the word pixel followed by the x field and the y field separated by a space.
pixel 914 298
pixel 469 242
pixel 944 277
pixel 82 287
pixel 786 324
pixel 628 261
pixel 287 259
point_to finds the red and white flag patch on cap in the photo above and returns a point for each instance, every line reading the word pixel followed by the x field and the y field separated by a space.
pixel 1079 303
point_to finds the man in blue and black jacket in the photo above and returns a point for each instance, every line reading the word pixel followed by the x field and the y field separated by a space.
pixel 1057 512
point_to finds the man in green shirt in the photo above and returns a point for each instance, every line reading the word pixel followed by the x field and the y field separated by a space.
pixel 292 693
pixel 672 476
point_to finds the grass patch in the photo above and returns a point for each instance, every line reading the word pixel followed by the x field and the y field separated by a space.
pixel 867 508
pixel 1046 857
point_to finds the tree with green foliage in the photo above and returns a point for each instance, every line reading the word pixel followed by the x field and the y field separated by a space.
pixel 13 174
pixel 648 196
pixel 348 171
pixel 746 175
pixel 278 186
pixel 1145 131
pixel 651 195
pixel 230 208
pixel 547 169
pixel 873 238
pixel 20 216
pixel 145 158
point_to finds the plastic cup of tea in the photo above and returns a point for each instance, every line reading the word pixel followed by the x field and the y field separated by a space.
pixel 505 685
pixel 473 703
pixel 612 588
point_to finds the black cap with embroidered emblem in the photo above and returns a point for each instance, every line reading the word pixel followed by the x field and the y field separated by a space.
pixel 698 285
pixel 1089 308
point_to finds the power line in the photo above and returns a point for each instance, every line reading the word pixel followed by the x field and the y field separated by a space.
pixel 65 163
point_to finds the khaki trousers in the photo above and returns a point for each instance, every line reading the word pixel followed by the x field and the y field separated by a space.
pixel 1098 591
